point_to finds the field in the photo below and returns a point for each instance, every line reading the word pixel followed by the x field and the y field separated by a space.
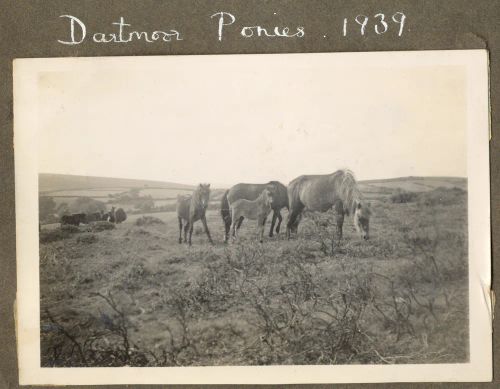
pixel 130 294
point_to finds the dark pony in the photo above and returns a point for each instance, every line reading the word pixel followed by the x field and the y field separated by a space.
pixel 322 192
pixel 251 192
pixel 192 208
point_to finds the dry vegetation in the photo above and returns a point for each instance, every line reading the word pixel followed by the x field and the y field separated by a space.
pixel 131 295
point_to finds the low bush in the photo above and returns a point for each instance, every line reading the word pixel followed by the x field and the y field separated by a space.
pixel 102 226
pixel 87 238
pixel 148 221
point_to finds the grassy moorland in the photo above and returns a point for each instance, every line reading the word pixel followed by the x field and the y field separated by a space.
pixel 131 295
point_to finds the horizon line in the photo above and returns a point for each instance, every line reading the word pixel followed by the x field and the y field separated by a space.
pixel 191 184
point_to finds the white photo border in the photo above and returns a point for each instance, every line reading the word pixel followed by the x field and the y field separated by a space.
pixel 479 367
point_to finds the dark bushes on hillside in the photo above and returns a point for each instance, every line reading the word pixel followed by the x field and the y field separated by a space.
pixel 442 196
pixel 404 197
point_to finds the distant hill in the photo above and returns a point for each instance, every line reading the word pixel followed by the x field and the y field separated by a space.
pixel 413 184
pixel 51 184
pixel 64 182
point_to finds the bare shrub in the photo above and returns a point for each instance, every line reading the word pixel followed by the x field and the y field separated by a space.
pixel 147 221
pixel 321 227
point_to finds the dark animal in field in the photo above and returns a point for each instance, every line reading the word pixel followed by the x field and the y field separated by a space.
pixel 75 219
pixel 251 192
pixel 257 209
pixel 120 215
pixel 192 208
pixel 319 193
pixel 94 217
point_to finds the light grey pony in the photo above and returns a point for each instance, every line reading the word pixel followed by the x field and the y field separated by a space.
pixel 320 193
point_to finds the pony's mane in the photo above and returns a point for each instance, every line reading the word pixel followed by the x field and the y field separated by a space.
pixel 348 189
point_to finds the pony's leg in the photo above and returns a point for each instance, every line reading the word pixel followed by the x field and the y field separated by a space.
pixel 205 227
pixel 261 227
pixel 292 219
pixel 295 226
pixel 273 221
pixel 238 225
pixel 240 221
pixel 280 218
pixel 227 228
pixel 186 229
pixel 339 210
pixel 180 230
pixel 340 223
pixel 190 231
pixel 233 228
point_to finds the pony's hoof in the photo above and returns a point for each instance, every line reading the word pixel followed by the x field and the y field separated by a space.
pixel 180 241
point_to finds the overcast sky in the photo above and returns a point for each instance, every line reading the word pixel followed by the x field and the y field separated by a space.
pixel 229 119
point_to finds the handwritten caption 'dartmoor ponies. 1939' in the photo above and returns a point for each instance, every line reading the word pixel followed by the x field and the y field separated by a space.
pixel 226 24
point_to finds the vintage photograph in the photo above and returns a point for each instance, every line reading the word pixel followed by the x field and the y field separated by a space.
pixel 255 210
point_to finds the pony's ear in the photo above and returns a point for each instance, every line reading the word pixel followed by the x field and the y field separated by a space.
pixel 208 185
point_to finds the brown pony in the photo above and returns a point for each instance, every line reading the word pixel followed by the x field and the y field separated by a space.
pixel 251 192
pixel 322 192
pixel 257 209
pixel 192 208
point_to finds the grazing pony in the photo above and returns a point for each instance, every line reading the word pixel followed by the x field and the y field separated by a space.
pixel 251 192
pixel 322 192
pixel 192 208
pixel 257 209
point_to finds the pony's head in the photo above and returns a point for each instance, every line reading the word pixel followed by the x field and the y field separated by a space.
pixel 268 195
pixel 204 194
pixel 362 215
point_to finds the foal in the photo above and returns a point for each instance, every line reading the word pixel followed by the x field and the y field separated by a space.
pixel 257 209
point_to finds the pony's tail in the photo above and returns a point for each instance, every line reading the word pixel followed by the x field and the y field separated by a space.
pixel 224 208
